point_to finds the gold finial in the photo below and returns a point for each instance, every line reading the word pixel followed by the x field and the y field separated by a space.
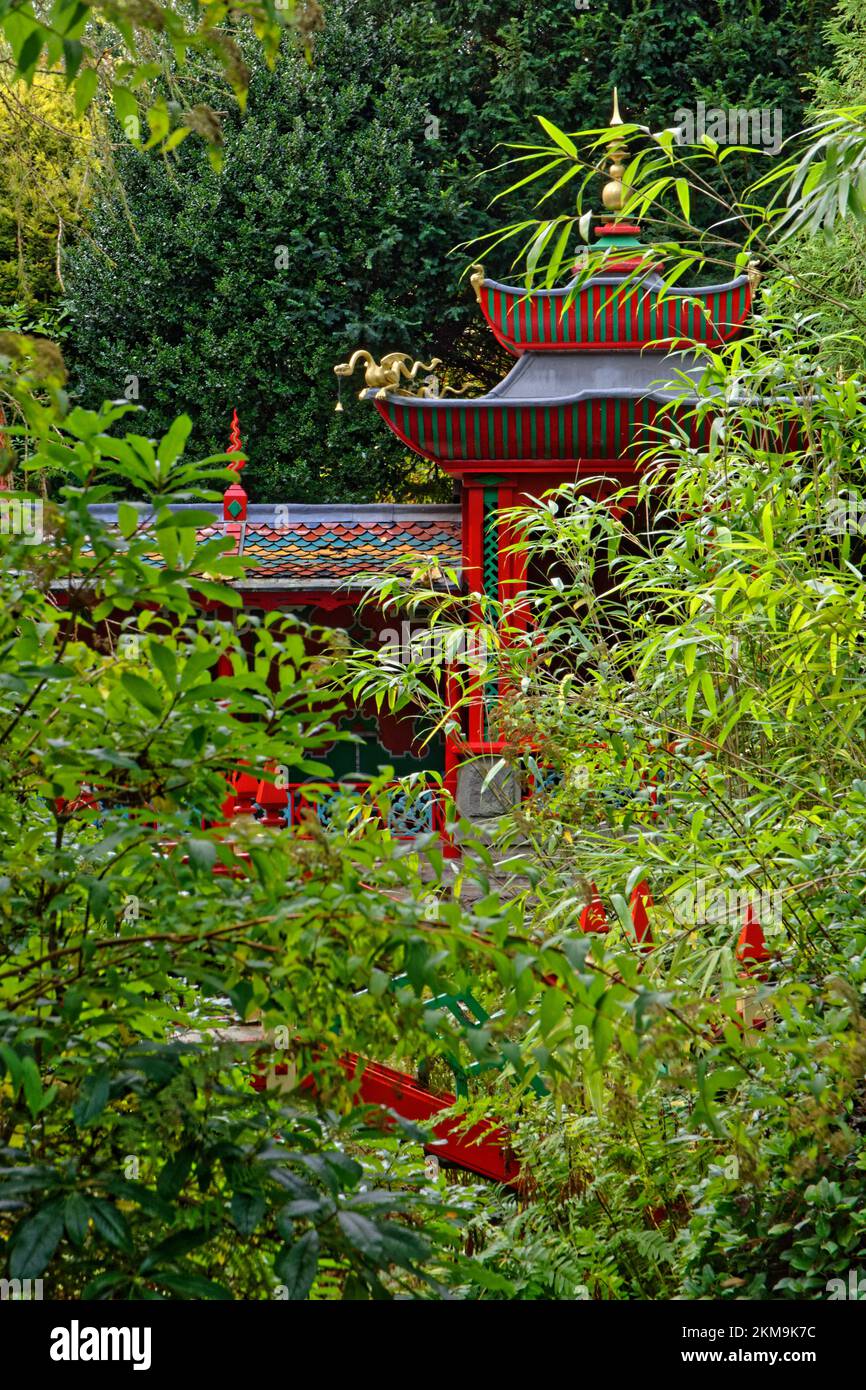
pixel 612 193
pixel 476 280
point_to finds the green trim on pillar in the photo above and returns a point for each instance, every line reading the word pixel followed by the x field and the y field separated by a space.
pixel 490 570
pixel 490 580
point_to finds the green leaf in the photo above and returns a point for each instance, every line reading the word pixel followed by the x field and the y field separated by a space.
pixel 31 1083
pixel 202 853
pixel 709 691
pixel 28 55
pixel 691 696
pixel 126 107
pixel 241 996
pixel 248 1209
pixel 73 55
pixel 142 692
pixel 553 1004
pixel 176 138
pixel 602 1036
pixel 164 660
pixel 34 1242
pixel 402 1246
pixel 346 1171
pixel 111 1224
pixel 93 1098
pixel 174 1174
pixel 85 89
pixel 173 442
pixel 76 1216
pixel 683 195
pixel 302 1206
pixel 13 1066
pixel 363 1234
pixel 296 1267
pixel 127 519
pixel 558 136
pixel 767 525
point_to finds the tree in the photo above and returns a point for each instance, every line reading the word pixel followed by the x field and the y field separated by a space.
pixel 245 289
pixel 47 159
pixel 98 45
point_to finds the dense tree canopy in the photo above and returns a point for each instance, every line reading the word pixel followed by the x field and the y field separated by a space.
pixel 326 228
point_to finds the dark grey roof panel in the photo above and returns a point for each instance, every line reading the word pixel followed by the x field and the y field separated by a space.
pixel 544 376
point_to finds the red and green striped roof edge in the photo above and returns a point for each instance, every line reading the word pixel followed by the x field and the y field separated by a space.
pixel 607 312
pixel 591 429
pixel 585 432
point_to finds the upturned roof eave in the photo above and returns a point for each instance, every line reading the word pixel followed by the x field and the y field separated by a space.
pixel 621 393
pixel 615 280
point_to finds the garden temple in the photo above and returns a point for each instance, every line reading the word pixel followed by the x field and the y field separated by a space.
pixel 581 400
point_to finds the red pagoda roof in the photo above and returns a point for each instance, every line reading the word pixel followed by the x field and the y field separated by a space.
pixel 575 413
pixel 576 434
pixel 605 313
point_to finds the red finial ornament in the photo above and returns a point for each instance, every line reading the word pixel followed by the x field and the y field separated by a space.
pixel 641 899
pixel 752 945
pixel 235 445
pixel 234 497
pixel 753 954
pixel 593 917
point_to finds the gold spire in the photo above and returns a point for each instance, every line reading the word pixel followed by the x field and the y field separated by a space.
pixel 612 193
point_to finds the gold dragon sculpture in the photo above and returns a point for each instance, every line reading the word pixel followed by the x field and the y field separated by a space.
pixel 385 377
pixel 387 374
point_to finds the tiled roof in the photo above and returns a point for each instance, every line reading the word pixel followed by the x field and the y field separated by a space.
pixel 337 551
pixel 308 547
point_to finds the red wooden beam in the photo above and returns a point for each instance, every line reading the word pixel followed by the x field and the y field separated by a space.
pixel 483 1148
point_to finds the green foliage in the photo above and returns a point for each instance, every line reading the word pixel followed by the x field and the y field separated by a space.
pixel 139 40
pixel 525 59
pixel 136 1159
pixel 830 269
pixel 317 235
pixel 600 1222
pixel 46 158
pixel 700 1127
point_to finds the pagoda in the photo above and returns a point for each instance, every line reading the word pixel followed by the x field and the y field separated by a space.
pixel 597 362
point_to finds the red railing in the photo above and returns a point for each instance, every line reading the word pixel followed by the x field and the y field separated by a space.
pixel 408 813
